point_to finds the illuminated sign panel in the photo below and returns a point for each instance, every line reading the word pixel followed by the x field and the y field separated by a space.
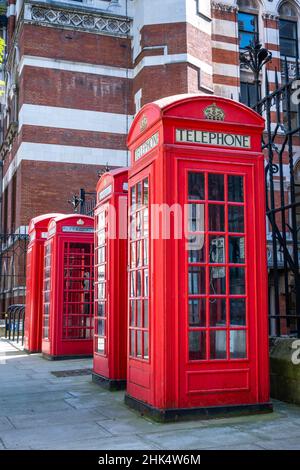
pixel 220 139
pixel 105 192
pixel 146 146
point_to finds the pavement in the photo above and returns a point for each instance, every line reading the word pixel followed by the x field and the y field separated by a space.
pixel 39 410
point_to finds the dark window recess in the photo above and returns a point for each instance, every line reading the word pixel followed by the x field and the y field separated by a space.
pixel 248 94
pixel 288 38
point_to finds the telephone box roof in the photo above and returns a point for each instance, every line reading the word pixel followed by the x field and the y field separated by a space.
pixel 109 175
pixel 42 218
pixel 62 218
pixel 192 107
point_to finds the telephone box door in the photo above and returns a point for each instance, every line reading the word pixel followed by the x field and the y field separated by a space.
pixel 217 315
pixel 101 327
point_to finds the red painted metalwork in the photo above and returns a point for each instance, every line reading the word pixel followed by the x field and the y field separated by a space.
pixel 198 335
pixel 110 347
pixel 68 305
pixel 34 280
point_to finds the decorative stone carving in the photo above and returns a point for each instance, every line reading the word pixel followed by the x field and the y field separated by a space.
pixel 270 16
pixel 143 123
pixel 223 7
pixel 214 113
pixel 80 20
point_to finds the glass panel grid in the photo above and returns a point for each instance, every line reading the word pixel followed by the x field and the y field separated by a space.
pixel 78 295
pixel 47 290
pixel 139 272
pixel 101 272
pixel 216 306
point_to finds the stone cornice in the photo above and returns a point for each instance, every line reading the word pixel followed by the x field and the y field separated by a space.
pixel 223 7
pixel 92 21
pixel 270 16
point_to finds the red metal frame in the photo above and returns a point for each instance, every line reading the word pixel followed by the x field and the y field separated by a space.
pixel 68 306
pixel 34 280
pixel 110 345
pixel 218 283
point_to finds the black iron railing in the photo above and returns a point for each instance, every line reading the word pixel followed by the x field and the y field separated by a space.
pixel 13 250
pixel 84 202
pixel 280 106
pixel 15 323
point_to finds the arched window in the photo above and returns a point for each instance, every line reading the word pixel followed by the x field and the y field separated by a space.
pixel 287 9
pixel 297 194
pixel 288 31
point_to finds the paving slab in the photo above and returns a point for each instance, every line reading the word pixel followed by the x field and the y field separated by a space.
pixel 291 443
pixel 121 427
pixel 204 438
pixel 38 397
pixel 115 411
pixel 5 424
pixel 88 401
pixel 255 446
pixel 69 416
pixel 50 436
pixel 276 429
pixel 33 407
pixel 41 411
pixel 112 443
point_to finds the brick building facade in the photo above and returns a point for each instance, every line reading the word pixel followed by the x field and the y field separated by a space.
pixel 78 71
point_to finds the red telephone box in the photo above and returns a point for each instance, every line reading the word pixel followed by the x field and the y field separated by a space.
pixel 37 231
pixel 198 336
pixel 110 346
pixel 68 288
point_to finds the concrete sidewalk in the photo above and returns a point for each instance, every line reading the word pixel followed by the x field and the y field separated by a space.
pixel 41 411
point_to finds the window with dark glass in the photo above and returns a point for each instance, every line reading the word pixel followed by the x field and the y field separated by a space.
pixel 288 38
pixel 248 29
pixel 248 94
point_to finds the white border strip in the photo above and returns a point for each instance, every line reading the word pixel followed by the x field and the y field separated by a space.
pixel 150 61
pixel 76 119
pixel 64 154
pixel 80 67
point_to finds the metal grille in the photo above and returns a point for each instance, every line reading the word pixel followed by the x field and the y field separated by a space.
pixel 71 373
pixel 13 249
pixel 282 132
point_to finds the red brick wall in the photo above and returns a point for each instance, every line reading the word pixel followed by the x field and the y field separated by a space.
pixel 47 187
pixel 159 81
pixel 66 89
pixel 57 136
pixel 78 46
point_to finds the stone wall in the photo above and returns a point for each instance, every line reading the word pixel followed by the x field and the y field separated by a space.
pixel 284 372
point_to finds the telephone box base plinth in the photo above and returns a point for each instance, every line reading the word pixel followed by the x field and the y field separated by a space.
pixel 32 352
pixel 185 414
pixel 109 384
pixel 49 357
